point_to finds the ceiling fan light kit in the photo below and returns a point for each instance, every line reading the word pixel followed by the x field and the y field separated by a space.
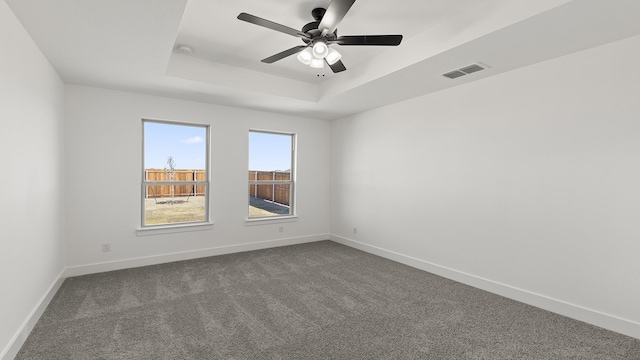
pixel 317 63
pixel 333 56
pixel 319 34
pixel 305 56
pixel 320 50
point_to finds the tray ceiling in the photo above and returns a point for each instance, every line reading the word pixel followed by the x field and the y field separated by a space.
pixel 131 46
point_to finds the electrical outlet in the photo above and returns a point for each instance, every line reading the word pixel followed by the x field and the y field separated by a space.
pixel 281 229
pixel 355 230
pixel 106 247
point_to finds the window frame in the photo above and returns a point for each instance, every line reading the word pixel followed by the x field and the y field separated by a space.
pixel 292 182
pixel 186 226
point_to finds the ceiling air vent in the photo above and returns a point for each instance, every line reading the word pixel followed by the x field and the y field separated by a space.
pixel 463 71
pixel 454 74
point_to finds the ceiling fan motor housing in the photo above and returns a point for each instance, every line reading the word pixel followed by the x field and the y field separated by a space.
pixel 312 28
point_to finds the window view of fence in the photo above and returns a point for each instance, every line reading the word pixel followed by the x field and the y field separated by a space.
pixel 185 204
pixel 266 199
pixel 270 190
pixel 175 164
pixel 158 191
pixel 277 193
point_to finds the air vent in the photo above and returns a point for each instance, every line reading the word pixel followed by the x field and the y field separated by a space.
pixel 471 68
pixel 463 71
pixel 454 74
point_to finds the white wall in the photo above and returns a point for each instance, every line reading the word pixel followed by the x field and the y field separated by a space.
pixel 31 148
pixel 526 183
pixel 104 160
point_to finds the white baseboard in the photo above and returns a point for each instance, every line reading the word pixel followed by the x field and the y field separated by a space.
pixel 188 255
pixel 27 326
pixel 594 317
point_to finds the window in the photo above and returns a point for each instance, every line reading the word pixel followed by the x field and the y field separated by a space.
pixel 175 179
pixel 271 174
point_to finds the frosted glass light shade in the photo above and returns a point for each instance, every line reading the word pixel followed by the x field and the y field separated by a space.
pixel 320 50
pixel 305 56
pixel 333 56
pixel 317 63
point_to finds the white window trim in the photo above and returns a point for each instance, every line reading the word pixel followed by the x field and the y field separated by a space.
pixel 292 183
pixel 144 230
pixel 172 229
pixel 271 220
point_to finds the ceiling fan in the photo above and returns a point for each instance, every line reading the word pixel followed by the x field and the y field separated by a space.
pixel 321 33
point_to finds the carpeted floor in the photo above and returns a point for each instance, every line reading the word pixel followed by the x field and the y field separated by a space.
pixel 314 301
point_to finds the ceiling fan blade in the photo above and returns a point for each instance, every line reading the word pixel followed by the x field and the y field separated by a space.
pixel 284 54
pixel 271 25
pixel 337 67
pixel 336 10
pixel 374 40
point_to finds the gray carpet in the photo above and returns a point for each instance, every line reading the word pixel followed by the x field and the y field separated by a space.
pixel 314 301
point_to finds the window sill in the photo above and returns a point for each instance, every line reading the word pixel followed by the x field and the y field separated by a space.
pixel 172 229
pixel 271 220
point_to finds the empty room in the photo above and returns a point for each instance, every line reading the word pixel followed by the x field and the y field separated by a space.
pixel 320 179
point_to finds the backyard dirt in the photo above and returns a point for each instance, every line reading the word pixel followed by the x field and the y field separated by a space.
pixel 181 210
pixel 163 211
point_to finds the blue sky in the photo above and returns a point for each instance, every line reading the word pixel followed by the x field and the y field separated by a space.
pixel 268 152
pixel 187 146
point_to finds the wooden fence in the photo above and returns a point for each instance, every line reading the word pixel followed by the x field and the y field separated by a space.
pixel 278 193
pixel 178 190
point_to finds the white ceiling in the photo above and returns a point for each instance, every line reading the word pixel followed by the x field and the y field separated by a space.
pixel 131 45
